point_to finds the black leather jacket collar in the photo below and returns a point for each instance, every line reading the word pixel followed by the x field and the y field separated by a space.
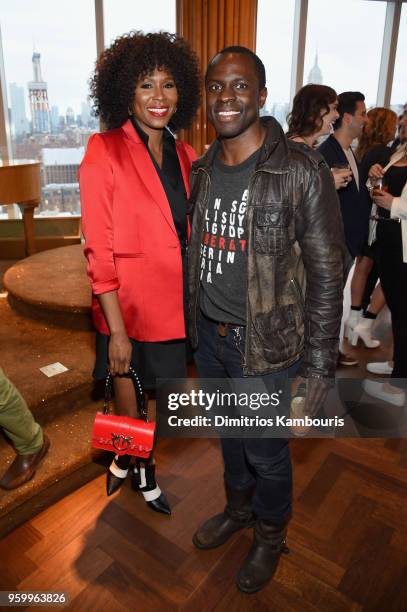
pixel 274 154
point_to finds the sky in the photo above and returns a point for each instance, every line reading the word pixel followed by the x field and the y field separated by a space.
pixel 63 32
pixel 347 35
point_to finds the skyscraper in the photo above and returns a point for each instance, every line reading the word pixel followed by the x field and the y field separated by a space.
pixel 55 119
pixel 85 114
pixel 18 116
pixel 70 116
pixel 315 74
pixel 38 94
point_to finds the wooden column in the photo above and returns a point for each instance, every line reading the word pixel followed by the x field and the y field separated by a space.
pixel 210 25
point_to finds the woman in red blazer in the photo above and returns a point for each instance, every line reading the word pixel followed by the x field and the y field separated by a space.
pixel 134 190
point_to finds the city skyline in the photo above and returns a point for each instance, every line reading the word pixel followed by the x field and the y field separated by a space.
pixel 45 118
pixel 26 87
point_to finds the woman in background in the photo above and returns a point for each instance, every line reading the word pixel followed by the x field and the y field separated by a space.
pixel 313 114
pixel 372 147
pixel 391 237
pixel 134 189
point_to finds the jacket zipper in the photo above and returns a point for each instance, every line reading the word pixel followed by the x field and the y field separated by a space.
pixel 298 292
pixel 197 279
pixel 244 366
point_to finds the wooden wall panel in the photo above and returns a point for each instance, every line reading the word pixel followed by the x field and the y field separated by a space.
pixel 210 25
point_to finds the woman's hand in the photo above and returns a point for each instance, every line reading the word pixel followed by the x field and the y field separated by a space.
pixel 120 350
pixel 384 199
pixel 342 176
pixel 376 172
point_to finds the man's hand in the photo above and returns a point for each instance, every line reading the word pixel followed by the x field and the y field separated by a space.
pixel 120 350
pixel 342 177
pixel 307 401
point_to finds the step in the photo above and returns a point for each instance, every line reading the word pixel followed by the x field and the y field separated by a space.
pixel 52 287
pixel 69 464
pixel 27 345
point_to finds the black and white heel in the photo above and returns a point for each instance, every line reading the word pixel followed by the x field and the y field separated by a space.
pixel 143 479
pixel 117 473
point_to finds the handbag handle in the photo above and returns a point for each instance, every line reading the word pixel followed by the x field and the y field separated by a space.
pixel 140 397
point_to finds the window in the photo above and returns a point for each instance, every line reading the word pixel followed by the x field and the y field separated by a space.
pixel 126 15
pixel 399 91
pixel 344 44
pixel 275 24
pixel 48 57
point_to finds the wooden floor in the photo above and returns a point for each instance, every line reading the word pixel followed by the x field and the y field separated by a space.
pixel 348 537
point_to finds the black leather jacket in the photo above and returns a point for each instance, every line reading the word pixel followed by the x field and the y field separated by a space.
pixel 295 251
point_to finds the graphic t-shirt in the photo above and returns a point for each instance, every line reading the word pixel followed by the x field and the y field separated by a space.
pixel 223 248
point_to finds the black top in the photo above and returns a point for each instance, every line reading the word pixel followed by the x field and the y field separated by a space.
pixel 379 154
pixel 171 179
pixel 394 179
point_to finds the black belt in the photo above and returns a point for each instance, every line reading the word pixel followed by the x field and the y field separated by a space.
pixel 223 328
pixel 377 218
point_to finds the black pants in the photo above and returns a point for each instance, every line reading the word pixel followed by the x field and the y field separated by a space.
pixel 393 276
pixel 263 464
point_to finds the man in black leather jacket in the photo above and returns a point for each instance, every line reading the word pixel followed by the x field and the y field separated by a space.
pixel 266 275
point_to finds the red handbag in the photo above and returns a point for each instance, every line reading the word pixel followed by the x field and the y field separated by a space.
pixel 124 435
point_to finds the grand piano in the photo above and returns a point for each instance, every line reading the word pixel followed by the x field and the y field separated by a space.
pixel 20 183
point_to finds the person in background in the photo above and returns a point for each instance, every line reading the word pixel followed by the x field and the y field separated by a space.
pixel 313 114
pixel 373 145
pixel 134 182
pixel 354 198
pixel 390 228
pixel 402 130
pixel 27 436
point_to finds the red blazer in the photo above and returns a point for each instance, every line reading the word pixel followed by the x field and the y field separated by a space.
pixel 130 239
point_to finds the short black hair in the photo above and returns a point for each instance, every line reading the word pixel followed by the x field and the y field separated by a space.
pixel 347 102
pixel 258 64
pixel 131 57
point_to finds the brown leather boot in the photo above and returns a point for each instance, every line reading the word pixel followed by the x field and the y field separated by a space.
pixel 262 560
pixel 236 515
pixel 24 467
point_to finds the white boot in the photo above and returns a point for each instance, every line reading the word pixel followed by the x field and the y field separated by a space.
pixel 363 330
pixel 352 320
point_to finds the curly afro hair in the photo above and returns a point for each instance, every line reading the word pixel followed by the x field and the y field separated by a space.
pixel 133 56
pixel 305 118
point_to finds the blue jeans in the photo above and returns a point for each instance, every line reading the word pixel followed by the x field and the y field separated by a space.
pixel 262 464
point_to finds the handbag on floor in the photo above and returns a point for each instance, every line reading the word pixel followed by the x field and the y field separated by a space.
pixel 124 435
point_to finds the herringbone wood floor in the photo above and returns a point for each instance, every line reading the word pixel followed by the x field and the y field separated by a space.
pixel 348 537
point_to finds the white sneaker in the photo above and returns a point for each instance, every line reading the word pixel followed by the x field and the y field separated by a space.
pixel 385 392
pixel 379 367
